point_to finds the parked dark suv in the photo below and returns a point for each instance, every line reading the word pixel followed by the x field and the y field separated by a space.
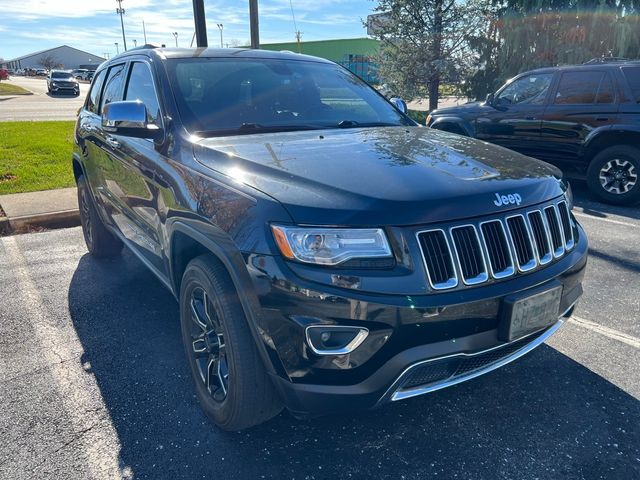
pixel 584 119
pixel 61 81
pixel 327 252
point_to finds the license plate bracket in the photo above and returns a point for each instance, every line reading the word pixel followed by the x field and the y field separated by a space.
pixel 529 311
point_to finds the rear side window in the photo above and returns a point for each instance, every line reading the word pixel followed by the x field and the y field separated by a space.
pixel 94 96
pixel 632 74
pixel 140 87
pixel 579 88
pixel 113 85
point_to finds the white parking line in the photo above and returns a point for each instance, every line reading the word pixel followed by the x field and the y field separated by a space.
pixel 79 392
pixel 606 331
pixel 610 220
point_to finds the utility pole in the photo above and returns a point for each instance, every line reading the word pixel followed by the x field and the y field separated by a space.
pixel 120 11
pixel 221 27
pixel 298 36
pixel 255 26
pixel 117 49
pixel 144 31
pixel 175 34
pixel 201 23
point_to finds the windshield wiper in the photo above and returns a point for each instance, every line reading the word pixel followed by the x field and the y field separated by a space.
pixel 251 128
pixel 355 124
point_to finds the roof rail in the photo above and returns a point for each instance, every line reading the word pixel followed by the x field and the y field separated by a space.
pixel 607 60
pixel 144 47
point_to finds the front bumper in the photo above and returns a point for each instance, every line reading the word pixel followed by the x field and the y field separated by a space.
pixel 70 89
pixel 416 344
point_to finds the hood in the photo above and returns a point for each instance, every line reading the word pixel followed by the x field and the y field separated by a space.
pixel 380 176
pixel 465 109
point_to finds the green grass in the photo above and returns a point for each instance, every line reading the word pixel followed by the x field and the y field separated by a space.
pixel 35 156
pixel 8 89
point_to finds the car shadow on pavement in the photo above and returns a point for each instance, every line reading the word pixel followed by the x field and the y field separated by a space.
pixel 591 205
pixel 544 416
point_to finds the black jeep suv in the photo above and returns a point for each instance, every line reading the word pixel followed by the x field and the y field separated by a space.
pixel 584 119
pixel 327 253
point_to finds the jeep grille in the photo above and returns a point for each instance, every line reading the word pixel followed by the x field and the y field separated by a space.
pixel 476 253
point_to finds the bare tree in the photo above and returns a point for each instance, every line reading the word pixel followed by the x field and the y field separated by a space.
pixel 49 61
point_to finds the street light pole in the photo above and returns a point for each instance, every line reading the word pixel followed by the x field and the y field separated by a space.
pixel 253 21
pixel 120 11
pixel 175 34
pixel 144 31
pixel 221 27
pixel 117 49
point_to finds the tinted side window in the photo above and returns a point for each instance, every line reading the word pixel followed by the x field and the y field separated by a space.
pixel 578 87
pixel 140 87
pixel 113 85
pixel 94 94
pixel 632 75
pixel 531 90
pixel 606 93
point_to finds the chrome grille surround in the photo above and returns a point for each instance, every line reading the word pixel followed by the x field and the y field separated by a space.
pixel 482 275
pixel 501 247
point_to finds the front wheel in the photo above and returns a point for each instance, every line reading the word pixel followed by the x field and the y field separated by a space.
pixel 613 175
pixel 230 378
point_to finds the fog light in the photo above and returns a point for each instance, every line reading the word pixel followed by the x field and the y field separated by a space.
pixel 335 339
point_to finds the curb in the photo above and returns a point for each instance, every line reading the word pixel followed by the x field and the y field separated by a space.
pixel 63 219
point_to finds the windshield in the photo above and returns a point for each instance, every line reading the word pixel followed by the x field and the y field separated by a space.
pixel 227 96
pixel 61 75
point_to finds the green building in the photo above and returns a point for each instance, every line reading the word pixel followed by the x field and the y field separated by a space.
pixel 354 53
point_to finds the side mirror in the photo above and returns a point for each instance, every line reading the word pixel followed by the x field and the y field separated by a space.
pixel 400 104
pixel 128 118
pixel 490 99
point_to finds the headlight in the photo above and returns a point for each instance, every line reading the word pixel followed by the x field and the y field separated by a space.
pixel 428 121
pixel 568 194
pixel 330 246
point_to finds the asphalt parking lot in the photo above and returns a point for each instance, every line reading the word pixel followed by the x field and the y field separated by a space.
pixel 94 384
pixel 41 105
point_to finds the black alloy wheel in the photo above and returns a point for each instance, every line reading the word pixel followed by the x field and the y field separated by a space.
pixel 208 345
pixel 85 215
pixel 230 378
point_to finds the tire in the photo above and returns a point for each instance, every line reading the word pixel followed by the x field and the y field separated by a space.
pixel 621 160
pixel 230 379
pixel 101 243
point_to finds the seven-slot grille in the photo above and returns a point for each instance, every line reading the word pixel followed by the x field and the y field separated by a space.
pixel 497 248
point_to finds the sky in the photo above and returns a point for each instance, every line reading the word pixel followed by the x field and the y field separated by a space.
pixel 27 26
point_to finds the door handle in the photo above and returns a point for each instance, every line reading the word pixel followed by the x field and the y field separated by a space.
pixel 601 119
pixel 112 142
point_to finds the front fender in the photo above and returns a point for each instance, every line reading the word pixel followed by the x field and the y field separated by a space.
pixel 465 125
pixel 219 244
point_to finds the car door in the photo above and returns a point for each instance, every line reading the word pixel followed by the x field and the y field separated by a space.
pixel 135 177
pixel 516 116
pixel 89 136
pixel 584 100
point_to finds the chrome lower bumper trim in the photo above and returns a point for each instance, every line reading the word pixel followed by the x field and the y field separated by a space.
pixel 395 394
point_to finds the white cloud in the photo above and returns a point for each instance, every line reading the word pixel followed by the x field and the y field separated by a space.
pixel 38 9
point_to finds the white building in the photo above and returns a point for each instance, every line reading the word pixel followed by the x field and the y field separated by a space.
pixel 64 57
